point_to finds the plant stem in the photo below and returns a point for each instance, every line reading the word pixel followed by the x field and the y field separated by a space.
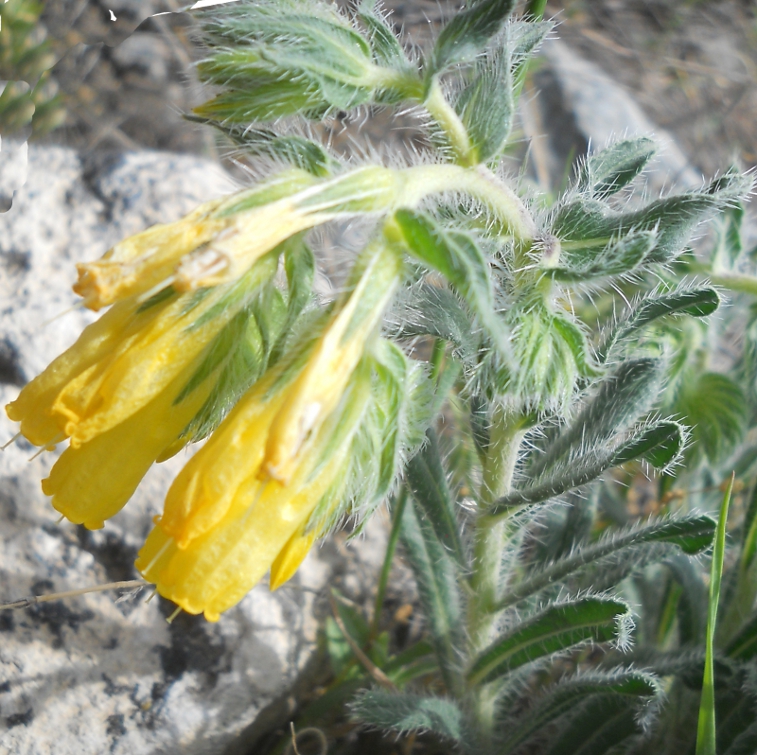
pixel 511 214
pixel 489 542
pixel 391 547
pixel 449 122
pixel 706 730
pixel 745 284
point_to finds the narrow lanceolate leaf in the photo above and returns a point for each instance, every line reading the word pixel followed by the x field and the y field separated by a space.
pixel 706 730
pixel 384 44
pixel 694 302
pixel 692 534
pixel 280 148
pixel 405 713
pixel 456 256
pixel 622 397
pixel 712 404
pixel 438 586
pixel 557 628
pixel 601 723
pixel 608 171
pixel 486 104
pixel 468 33
pixel 620 256
pixel 425 310
pixel 660 444
pixel 563 698
pixel 583 225
pixel 277 59
pixel 427 482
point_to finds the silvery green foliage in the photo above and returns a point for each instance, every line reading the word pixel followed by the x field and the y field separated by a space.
pixel 530 361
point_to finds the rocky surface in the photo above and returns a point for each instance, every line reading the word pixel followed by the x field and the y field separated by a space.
pixel 92 674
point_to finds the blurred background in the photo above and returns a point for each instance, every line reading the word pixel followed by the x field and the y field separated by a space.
pixel 110 75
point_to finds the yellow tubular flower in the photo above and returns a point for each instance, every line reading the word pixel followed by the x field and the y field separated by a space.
pixel 33 407
pixel 219 241
pixel 218 568
pixel 321 384
pixel 216 243
pixel 122 362
pixel 267 417
pixel 143 261
pixel 91 483
pixel 203 491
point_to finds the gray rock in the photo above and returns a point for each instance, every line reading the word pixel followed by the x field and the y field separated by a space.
pixel 91 675
pixel 600 110
pixel 13 158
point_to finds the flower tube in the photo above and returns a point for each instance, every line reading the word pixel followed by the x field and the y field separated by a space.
pixel 220 241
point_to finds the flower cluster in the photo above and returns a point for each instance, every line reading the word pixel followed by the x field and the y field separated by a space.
pixel 185 300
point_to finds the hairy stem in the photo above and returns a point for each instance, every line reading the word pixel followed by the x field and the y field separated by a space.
pixel 449 122
pixel 489 543
pixel 511 216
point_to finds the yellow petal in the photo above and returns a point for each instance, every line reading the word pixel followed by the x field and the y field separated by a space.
pixel 290 558
pixel 217 569
pixel 141 366
pixel 203 491
pixel 92 482
pixel 141 262
pixel 33 407
pixel 243 243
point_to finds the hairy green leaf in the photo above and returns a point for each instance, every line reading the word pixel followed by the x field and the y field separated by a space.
pixel 384 44
pixel 620 256
pixel 712 404
pixel 691 533
pixel 456 256
pixel 438 586
pixel 405 713
pixel 288 148
pixel 601 723
pixel 583 225
pixel 468 33
pixel 563 698
pixel 621 398
pixel 606 172
pixel 425 310
pixel 695 302
pixel 557 628
pixel 486 104
pixel 660 443
pixel 427 482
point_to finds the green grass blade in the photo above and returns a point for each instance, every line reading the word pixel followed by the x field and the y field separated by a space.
pixel 706 729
